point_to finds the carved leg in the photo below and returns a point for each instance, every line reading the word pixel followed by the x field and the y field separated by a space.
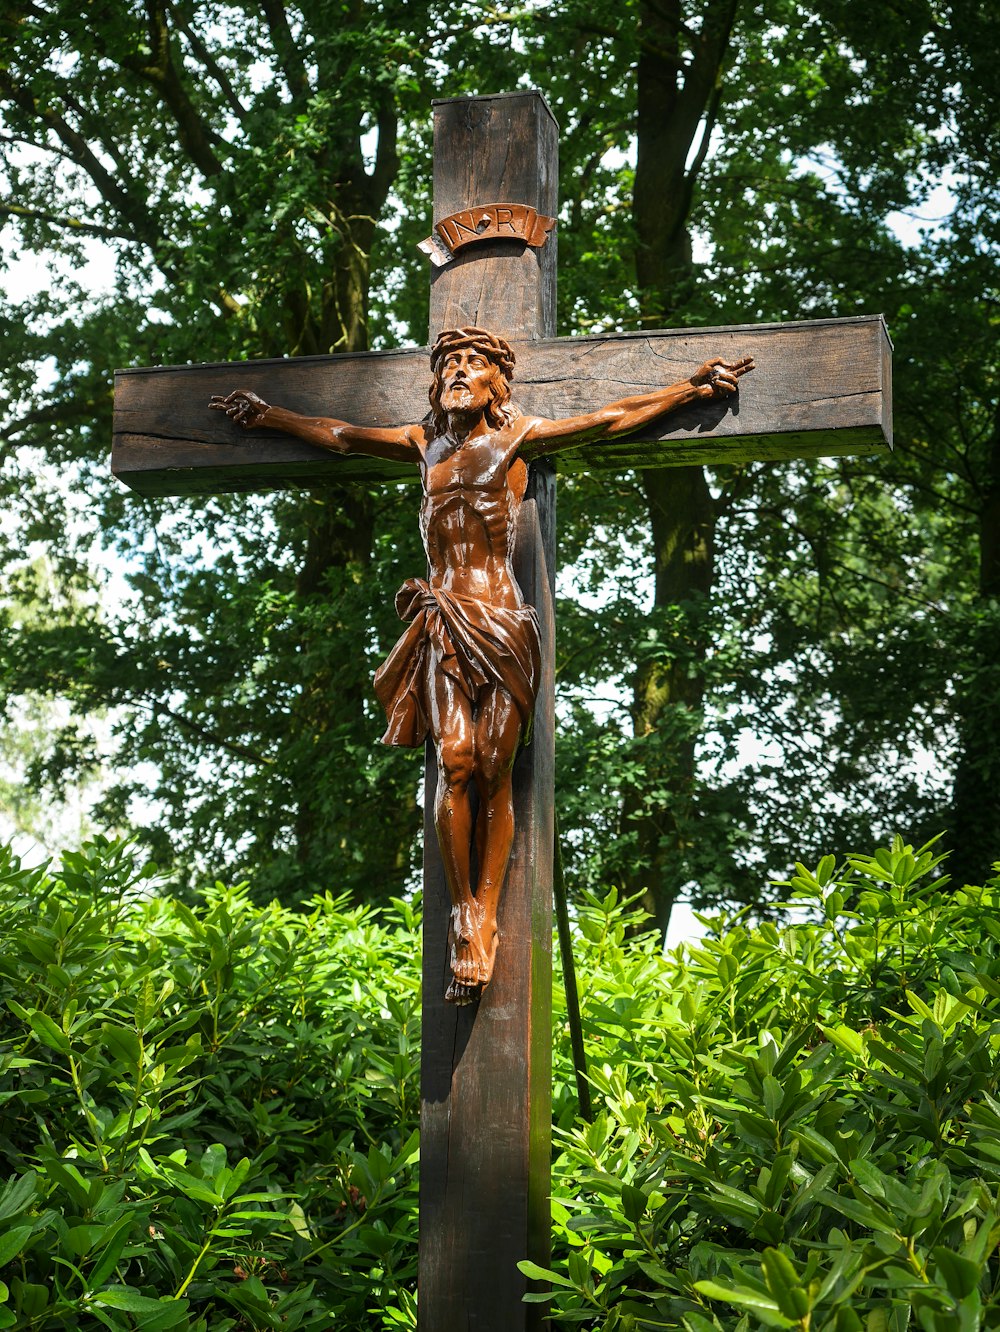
pixel 496 815
pixel 453 821
pixel 498 732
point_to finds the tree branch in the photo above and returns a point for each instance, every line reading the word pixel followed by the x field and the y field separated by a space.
pixel 15 435
pixel 123 201
pixel 668 57
pixel 845 570
pixel 119 192
pixel 207 733
pixel 701 91
pixel 711 116
pixel 96 131
pixel 292 65
pixel 72 224
pixel 195 136
pixel 54 149
pixel 225 303
pixel 211 64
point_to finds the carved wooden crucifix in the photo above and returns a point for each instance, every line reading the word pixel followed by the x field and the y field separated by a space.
pixel 819 388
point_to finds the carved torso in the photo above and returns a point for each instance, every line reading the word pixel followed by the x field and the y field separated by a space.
pixel 472 493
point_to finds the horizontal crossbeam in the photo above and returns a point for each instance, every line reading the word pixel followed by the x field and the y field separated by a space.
pixel 821 387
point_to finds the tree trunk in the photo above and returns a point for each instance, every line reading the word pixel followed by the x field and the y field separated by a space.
pixel 975 814
pixel 342 839
pixel 668 688
pixel 989 522
pixel 675 113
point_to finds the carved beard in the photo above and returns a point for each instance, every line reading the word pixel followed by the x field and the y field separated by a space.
pixel 496 408
pixel 463 398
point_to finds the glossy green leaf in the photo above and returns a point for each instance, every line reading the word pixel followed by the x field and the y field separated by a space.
pixel 960 1275
pixel 762 1305
pixel 49 1033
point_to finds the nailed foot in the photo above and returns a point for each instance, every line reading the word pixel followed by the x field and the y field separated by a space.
pixel 472 946
pixel 463 994
pixel 470 961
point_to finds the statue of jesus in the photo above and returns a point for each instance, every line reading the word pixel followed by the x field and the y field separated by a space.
pixel 467 668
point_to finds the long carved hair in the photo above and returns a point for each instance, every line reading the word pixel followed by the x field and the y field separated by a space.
pixel 500 410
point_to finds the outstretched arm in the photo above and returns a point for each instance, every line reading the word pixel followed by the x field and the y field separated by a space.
pixel 253 413
pixel 715 379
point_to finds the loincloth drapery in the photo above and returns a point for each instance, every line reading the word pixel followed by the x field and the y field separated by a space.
pixel 478 645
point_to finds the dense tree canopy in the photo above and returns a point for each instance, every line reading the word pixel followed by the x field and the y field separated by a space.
pixel 259 175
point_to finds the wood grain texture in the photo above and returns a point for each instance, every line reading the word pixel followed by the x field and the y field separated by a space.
pixel 503 147
pixel 486 1113
pixel 486 1069
pixel 821 387
pixel 168 442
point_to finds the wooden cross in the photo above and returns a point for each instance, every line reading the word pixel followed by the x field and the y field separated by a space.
pixel 820 388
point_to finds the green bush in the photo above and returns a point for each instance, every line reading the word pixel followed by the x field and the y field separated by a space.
pixel 207 1114
pixel 799 1127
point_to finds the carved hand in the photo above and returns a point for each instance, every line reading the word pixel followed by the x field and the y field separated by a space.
pixel 718 378
pixel 243 407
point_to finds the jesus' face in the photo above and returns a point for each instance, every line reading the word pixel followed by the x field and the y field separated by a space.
pixel 466 381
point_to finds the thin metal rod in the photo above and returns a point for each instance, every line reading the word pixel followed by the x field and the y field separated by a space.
pixel 569 980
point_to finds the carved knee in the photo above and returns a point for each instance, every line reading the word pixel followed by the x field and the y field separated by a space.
pixel 455 763
pixel 493 776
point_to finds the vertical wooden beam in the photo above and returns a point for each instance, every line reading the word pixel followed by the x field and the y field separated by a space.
pixel 486 1070
pixel 502 149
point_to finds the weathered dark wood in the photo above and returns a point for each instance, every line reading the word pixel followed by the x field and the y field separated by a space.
pixel 486 149
pixel 485 1132
pixel 167 442
pixel 486 1069
pixel 821 387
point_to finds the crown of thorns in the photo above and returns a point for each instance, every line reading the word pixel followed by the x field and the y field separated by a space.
pixel 454 339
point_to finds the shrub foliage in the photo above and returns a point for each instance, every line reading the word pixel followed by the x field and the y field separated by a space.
pixel 208 1113
pixel 800 1125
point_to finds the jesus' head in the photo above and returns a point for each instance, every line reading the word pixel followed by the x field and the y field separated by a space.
pixel 486 346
